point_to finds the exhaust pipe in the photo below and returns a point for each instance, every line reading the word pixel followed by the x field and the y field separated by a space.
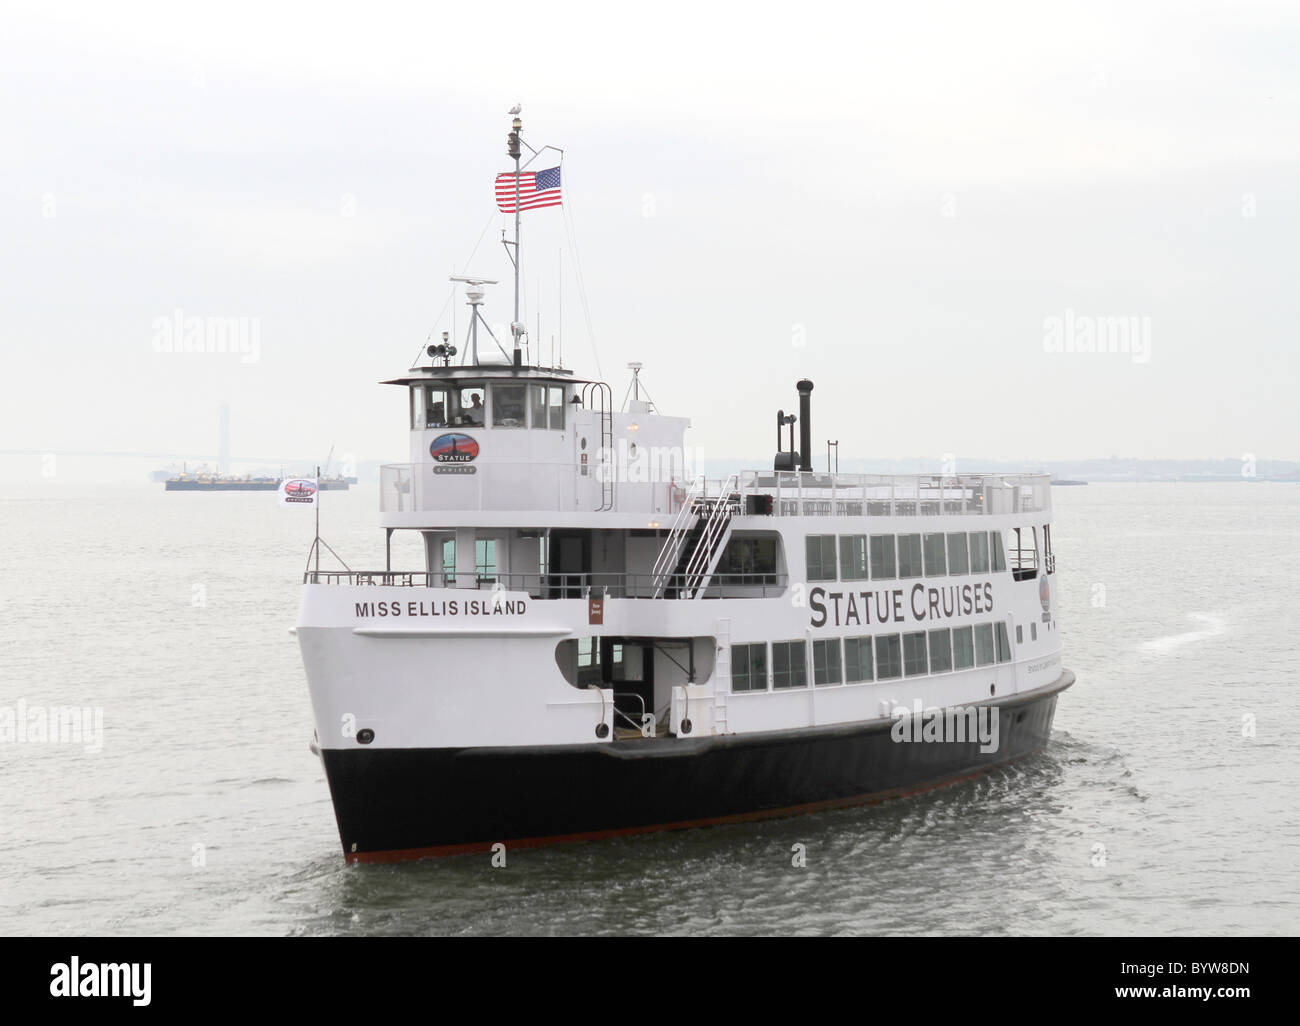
pixel 805 424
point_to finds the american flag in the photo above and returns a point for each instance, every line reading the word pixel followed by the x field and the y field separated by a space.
pixel 536 189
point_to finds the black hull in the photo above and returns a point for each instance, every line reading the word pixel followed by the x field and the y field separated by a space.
pixel 394 804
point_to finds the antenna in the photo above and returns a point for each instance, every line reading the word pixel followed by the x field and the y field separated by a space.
pixel 513 150
pixel 475 292
pixel 635 388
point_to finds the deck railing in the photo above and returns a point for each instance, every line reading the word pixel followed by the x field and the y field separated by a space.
pixel 552 586
pixel 562 487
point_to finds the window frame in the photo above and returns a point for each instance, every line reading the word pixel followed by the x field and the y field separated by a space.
pixel 796 670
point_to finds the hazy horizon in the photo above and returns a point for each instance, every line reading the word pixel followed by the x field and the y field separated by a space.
pixel 923 211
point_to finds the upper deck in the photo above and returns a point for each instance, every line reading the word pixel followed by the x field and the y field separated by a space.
pixel 420 494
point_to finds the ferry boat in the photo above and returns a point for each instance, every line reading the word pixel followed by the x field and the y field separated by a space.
pixel 206 482
pixel 598 643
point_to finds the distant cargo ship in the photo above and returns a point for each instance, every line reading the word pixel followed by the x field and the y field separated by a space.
pixel 227 483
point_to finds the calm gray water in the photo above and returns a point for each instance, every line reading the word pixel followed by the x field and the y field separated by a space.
pixel 171 612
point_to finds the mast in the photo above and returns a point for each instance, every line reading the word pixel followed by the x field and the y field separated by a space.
pixel 513 150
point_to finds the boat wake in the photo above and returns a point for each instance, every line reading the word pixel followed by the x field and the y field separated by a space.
pixel 1213 626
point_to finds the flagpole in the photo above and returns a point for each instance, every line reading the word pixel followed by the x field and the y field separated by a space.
pixel 316 546
pixel 514 151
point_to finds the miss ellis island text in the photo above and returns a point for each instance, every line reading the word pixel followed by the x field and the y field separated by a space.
pixel 497 605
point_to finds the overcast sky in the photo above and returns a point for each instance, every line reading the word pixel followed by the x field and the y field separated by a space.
pixel 902 202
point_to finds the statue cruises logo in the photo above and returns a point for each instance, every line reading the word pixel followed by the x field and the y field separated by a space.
pixel 298 491
pixel 452 451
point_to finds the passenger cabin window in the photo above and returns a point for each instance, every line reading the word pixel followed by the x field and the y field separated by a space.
pixel 889 657
pixel 998 556
pixel 821 557
pixel 883 567
pixel 958 561
pixel 1004 643
pixel 979 552
pixel 909 555
pixel 984 644
pixel 935 563
pixel 748 559
pixel 914 662
pixel 789 665
pixel 749 667
pixel 963 648
pixel 857 659
pixel 853 557
pixel 1024 553
pixel 940 651
pixel 826 662
pixel 508 406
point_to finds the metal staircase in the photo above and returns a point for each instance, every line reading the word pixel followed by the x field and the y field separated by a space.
pixel 695 543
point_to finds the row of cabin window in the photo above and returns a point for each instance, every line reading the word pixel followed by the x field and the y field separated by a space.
pixel 889 556
pixel 864 659
pixel 513 405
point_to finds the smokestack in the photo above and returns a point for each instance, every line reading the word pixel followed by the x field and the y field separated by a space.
pixel 805 424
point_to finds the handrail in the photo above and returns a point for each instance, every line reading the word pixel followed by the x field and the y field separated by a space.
pixel 672 547
pixel 707 549
pixel 551 586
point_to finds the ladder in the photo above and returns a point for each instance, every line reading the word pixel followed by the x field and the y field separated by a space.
pixel 597 397
pixel 722 677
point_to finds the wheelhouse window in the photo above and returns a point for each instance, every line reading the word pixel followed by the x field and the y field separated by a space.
pixel 883 566
pixel 821 557
pixel 467 408
pixel 417 408
pixel 826 662
pixel 979 552
pixel 857 659
pixel 853 557
pixel 789 667
pixel 984 655
pixel 508 406
pixel 556 393
pixel 749 667
pixel 940 651
pixel 537 404
pixel 958 557
pixel 914 663
pixel 438 406
pixel 963 648
pixel 935 563
pixel 889 657
pixel 909 555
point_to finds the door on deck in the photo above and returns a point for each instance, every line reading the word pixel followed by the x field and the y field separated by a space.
pixel 628 669
pixel 570 562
